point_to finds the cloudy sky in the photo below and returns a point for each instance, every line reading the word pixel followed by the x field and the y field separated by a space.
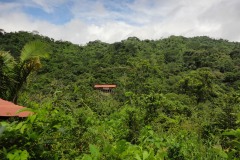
pixel 81 21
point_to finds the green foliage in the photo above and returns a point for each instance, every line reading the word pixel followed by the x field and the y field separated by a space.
pixel 15 74
pixel 7 64
pixel 176 98
pixel 34 49
pixel 18 155
pixel 198 84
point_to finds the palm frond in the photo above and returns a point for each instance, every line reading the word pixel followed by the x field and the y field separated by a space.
pixel 7 63
pixel 35 49
pixel 6 60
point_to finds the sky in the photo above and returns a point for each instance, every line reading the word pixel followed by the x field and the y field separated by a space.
pixel 81 21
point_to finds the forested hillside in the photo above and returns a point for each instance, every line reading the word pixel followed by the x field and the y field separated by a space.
pixel 176 98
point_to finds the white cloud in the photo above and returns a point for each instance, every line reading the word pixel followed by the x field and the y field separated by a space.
pixel 225 14
pixel 146 19
pixel 8 7
pixel 47 5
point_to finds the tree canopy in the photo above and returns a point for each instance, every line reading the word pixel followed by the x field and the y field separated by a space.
pixel 176 98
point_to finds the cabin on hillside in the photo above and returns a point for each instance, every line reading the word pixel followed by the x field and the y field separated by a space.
pixel 9 109
pixel 106 88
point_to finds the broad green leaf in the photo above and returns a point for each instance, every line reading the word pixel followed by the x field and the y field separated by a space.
pixel 32 118
pixel 57 126
pixel 235 133
pixel 23 128
pixel 24 155
pixel 138 157
pixel 219 151
pixel 19 125
pixel 145 155
pixel 94 151
pixel 10 156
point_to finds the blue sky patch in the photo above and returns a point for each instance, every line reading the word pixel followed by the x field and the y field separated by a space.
pixel 60 15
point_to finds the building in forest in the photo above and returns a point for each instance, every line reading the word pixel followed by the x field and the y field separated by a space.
pixel 106 88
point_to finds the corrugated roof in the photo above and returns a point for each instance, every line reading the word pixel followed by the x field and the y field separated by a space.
pixel 105 86
pixel 9 109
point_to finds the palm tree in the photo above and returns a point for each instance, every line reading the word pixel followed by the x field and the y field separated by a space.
pixel 7 63
pixel 19 71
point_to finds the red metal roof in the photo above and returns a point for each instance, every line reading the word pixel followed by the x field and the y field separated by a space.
pixel 105 86
pixel 9 109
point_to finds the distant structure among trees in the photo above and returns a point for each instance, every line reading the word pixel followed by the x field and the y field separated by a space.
pixel 106 88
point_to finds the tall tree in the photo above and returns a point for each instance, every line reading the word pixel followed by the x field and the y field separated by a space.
pixel 29 61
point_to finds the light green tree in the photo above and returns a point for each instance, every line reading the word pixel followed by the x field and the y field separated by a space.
pixel 198 83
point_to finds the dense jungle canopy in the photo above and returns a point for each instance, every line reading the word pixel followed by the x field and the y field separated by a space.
pixel 176 98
